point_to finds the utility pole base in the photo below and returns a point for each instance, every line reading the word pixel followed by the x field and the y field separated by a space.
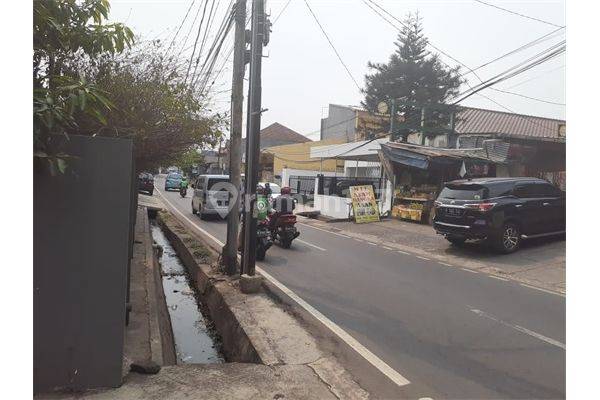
pixel 250 284
pixel 230 264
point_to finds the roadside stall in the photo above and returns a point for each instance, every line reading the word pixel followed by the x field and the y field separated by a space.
pixel 418 174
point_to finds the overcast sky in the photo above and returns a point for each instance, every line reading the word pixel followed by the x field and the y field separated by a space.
pixel 302 74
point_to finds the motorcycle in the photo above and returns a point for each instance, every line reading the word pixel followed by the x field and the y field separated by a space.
pixel 183 191
pixel 263 239
pixel 284 229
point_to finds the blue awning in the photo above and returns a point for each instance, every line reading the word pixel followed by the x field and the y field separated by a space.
pixel 405 157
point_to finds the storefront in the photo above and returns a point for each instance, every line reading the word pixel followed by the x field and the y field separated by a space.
pixel 419 172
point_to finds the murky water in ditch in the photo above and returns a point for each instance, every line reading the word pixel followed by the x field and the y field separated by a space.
pixel 194 341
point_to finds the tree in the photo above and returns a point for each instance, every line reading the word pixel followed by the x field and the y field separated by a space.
pixel 90 78
pixel 64 32
pixel 152 105
pixel 412 75
pixel 189 159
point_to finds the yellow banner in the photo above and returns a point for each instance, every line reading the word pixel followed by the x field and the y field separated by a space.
pixel 364 204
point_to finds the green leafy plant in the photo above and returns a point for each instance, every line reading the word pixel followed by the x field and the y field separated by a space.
pixel 64 32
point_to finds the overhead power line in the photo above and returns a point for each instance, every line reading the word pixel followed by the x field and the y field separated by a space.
pixel 281 12
pixel 539 40
pixel 529 97
pixel 471 88
pixel 519 14
pixel 535 77
pixel 331 44
pixel 196 41
pixel 181 25
pixel 518 69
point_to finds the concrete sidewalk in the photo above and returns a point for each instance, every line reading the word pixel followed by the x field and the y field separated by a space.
pixel 217 381
pixel 539 262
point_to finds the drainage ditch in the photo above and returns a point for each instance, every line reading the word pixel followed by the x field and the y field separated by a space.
pixel 196 341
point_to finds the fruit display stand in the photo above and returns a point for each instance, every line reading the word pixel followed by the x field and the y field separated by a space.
pixel 413 206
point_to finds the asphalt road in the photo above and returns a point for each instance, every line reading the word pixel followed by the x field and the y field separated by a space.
pixel 451 332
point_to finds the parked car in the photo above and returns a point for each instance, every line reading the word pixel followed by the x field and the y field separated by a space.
pixel 208 199
pixel 275 189
pixel 173 181
pixel 502 211
pixel 146 183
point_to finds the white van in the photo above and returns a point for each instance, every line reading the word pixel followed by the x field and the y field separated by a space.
pixel 205 200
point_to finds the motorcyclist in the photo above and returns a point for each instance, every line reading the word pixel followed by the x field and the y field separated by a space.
pixel 183 183
pixel 262 209
pixel 283 204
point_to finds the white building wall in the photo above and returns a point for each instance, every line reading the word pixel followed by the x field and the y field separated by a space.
pixel 333 206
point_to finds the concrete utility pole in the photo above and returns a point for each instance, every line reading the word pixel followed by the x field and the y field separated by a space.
pixel 235 139
pixel 259 36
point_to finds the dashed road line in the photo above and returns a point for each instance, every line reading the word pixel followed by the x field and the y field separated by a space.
pixel 402 252
pixel 498 277
pixel 446 264
pixel 310 244
pixel 372 243
pixel 324 230
pixel 424 258
pixel 541 290
pixel 387 248
pixel 469 270
pixel 520 329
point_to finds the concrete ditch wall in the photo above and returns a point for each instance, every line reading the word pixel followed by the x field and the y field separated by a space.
pixel 255 328
pixel 236 344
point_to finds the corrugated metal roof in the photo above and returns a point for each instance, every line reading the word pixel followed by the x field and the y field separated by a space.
pixel 435 152
pixel 477 120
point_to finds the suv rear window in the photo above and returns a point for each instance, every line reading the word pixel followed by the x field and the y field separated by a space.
pixel 464 192
pixel 214 181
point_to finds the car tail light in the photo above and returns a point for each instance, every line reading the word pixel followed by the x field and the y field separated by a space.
pixel 483 207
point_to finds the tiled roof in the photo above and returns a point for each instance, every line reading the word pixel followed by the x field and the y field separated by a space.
pixel 477 120
pixel 277 135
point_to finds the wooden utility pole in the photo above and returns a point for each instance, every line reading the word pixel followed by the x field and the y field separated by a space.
pixel 235 137
pixel 260 36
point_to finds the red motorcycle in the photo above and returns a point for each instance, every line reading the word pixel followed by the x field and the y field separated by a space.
pixel 283 228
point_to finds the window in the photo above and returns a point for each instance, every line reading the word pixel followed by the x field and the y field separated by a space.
pixel 463 192
pixel 525 190
pixel 214 181
pixel 500 189
pixel 547 190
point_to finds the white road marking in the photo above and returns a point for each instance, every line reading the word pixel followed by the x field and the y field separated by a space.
pixel 402 252
pixel 520 329
pixel 324 230
pixel 423 258
pixel 498 277
pixel 372 243
pixel 387 248
pixel 310 244
pixel 375 361
pixel 469 270
pixel 446 264
pixel 542 290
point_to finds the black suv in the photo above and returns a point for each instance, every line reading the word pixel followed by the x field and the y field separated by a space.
pixel 501 210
